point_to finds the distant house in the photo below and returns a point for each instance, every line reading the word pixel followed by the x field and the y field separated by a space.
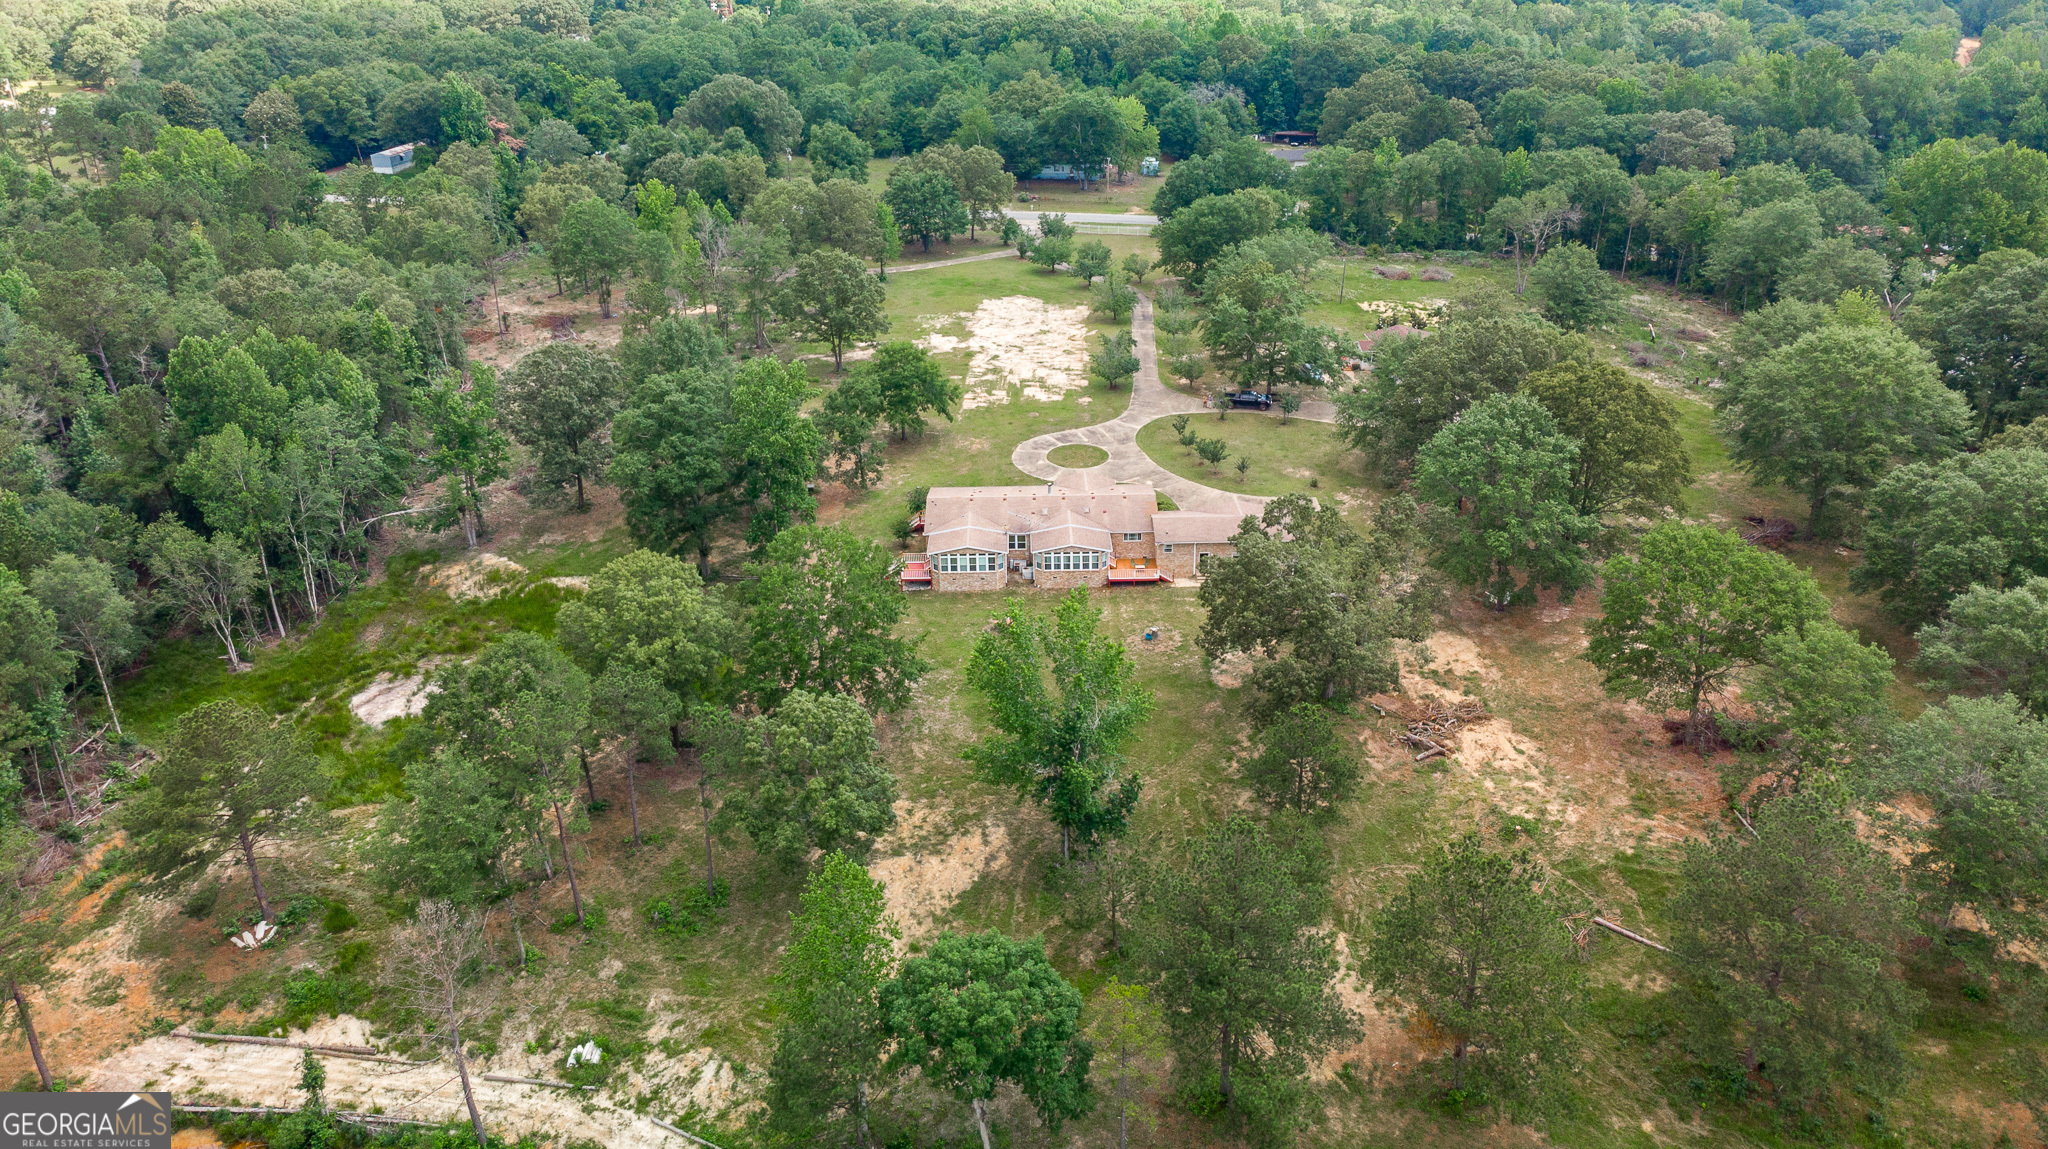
pixel 1087 532
pixel 1295 157
pixel 391 161
pixel 1067 172
pixel 1292 137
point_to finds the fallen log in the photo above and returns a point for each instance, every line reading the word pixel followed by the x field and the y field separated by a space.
pixel 338 1115
pixel 357 1052
pixel 1631 935
pixel 682 1132
pixel 511 1080
pixel 250 1039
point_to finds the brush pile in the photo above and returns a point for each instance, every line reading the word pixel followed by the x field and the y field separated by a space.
pixel 1434 733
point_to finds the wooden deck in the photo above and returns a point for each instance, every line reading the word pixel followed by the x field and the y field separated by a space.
pixel 1132 574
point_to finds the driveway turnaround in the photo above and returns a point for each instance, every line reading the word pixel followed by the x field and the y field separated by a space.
pixel 1150 399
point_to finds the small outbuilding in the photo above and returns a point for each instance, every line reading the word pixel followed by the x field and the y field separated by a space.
pixel 391 161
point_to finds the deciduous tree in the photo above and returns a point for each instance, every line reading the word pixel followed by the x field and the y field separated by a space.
pixel 822 615
pixel 974 1011
pixel 1498 481
pixel 1692 607
pixel 1418 385
pixel 1631 456
pixel 1316 605
pixel 1934 530
pixel 836 153
pixel 594 244
pixel 1116 361
pixel 1828 693
pixel 469 451
pixel 1476 944
pixel 1065 702
pixel 207 580
pixel 676 462
pixel 780 451
pixel 830 298
pixel 93 617
pixel 1982 764
pixel 433 963
pixel 1830 413
pixel 847 420
pixel 1992 638
pixel 925 204
pixel 1574 292
pixel 806 776
pixel 559 400
pixel 911 383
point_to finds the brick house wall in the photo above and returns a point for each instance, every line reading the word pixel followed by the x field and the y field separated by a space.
pixel 1068 580
pixel 1142 549
pixel 970 580
pixel 1180 562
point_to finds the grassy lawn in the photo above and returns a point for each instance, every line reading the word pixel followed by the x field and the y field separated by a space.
pixel 392 626
pixel 1077 455
pixel 975 449
pixel 1295 457
pixel 1359 283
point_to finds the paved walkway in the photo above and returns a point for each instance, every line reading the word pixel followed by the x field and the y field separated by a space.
pixel 1150 399
pixel 1135 219
pixel 906 267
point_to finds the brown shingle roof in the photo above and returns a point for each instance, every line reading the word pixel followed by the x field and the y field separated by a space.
pixel 1025 510
pixel 1194 527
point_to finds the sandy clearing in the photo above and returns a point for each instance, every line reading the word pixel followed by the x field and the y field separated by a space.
pixel 1024 343
pixel 482 575
pixel 388 697
pixel 268 1075
pixel 920 886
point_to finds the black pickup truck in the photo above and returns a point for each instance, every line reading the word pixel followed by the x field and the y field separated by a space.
pixel 1249 399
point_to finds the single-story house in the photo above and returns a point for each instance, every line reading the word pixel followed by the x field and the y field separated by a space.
pixel 1067 172
pixel 391 161
pixel 1083 532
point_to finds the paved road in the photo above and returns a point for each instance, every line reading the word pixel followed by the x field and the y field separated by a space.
pixel 1150 399
pixel 1134 219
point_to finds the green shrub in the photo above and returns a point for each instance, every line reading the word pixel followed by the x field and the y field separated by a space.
pixel 688 911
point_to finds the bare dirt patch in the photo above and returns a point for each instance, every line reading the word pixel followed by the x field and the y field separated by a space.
pixel 1023 343
pixel 1229 671
pixel 269 1075
pixel 921 885
pixel 388 697
pixel 536 317
pixel 483 575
